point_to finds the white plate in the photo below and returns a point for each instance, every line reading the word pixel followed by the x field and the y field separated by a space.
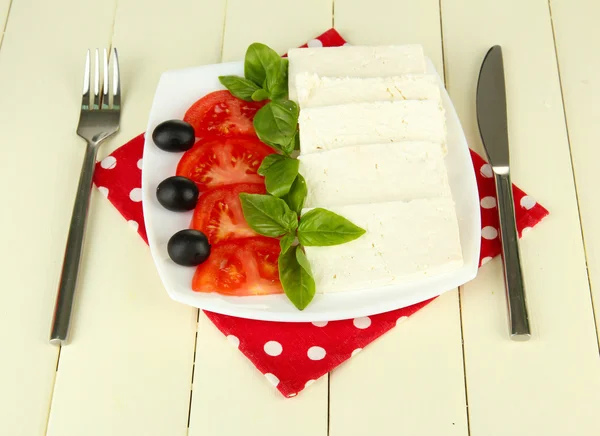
pixel 176 91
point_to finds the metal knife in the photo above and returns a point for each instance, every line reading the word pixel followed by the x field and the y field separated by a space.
pixel 493 127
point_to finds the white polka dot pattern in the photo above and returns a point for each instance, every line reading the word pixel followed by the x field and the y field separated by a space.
pixel 362 323
pixel 527 202
pixel 134 224
pixel 401 320
pixel 319 323
pixel 108 163
pixel 486 171
pixel 233 340
pixel 272 379
pixel 136 195
pixel 316 353
pixel 103 190
pixel 314 43
pixel 355 352
pixel 273 348
pixel 489 233
pixel 485 260
pixel 488 202
pixel 140 162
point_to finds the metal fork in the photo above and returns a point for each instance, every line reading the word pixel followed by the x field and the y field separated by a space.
pixel 98 120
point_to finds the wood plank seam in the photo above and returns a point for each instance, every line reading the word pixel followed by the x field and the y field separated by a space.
pixel 562 95
pixel 52 391
pixel 189 417
pixel 333 14
pixel 459 291
pixel 5 23
pixel 462 344
pixel 222 46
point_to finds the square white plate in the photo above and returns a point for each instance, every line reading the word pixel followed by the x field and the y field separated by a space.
pixel 176 92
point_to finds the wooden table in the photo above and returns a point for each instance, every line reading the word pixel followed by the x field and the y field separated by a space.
pixel 141 364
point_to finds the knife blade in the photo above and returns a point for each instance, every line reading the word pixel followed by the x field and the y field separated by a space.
pixel 493 128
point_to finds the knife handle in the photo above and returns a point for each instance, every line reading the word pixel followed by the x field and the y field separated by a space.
pixel 513 276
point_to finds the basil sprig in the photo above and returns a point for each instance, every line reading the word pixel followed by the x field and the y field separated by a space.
pixel 265 76
pixel 278 215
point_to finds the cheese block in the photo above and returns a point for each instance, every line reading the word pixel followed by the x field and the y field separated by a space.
pixel 331 127
pixel 405 241
pixel 355 61
pixel 375 173
pixel 314 91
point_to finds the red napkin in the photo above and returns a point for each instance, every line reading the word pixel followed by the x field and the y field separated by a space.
pixel 293 355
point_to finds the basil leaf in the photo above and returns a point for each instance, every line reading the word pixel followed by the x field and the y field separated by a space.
pixel 286 242
pixel 268 215
pixel 320 227
pixel 268 161
pixel 280 175
pixel 276 123
pixel 277 81
pixel 290 146
pixel 297 140
pixel 260 59
pixel 239 87
pixel 260 95
pixel 295 198
pixel 303 261
pixel 296 277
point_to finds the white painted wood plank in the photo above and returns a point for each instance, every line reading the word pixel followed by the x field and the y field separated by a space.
pixel 128 370
pixel 551 384
pixel 40 62
pixel 230 396
pixel 412 379
pixel 577 35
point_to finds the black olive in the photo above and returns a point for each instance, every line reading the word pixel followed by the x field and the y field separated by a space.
pixel 188 247
pixel 177 194
pixel 174 135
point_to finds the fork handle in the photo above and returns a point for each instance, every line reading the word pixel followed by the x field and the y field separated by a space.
pixel 71 261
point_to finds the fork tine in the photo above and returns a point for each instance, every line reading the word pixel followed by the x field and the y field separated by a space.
pixel 96 102
pixel 116 85
pixel 105 100
pixel 85 100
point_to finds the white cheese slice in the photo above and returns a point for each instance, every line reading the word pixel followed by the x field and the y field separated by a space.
pixel 331 127
pixel 405 241
pixel 314 91
pixel 375 173
pixel 355 61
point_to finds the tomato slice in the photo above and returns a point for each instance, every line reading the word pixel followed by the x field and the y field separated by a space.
pixel 219 214
pixel 240 267
pixel 220 113
pixel 216 162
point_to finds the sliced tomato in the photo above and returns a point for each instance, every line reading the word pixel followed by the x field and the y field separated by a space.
pixel 240 267
pixel 220 113
pixel 219 214
pixel 215 162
